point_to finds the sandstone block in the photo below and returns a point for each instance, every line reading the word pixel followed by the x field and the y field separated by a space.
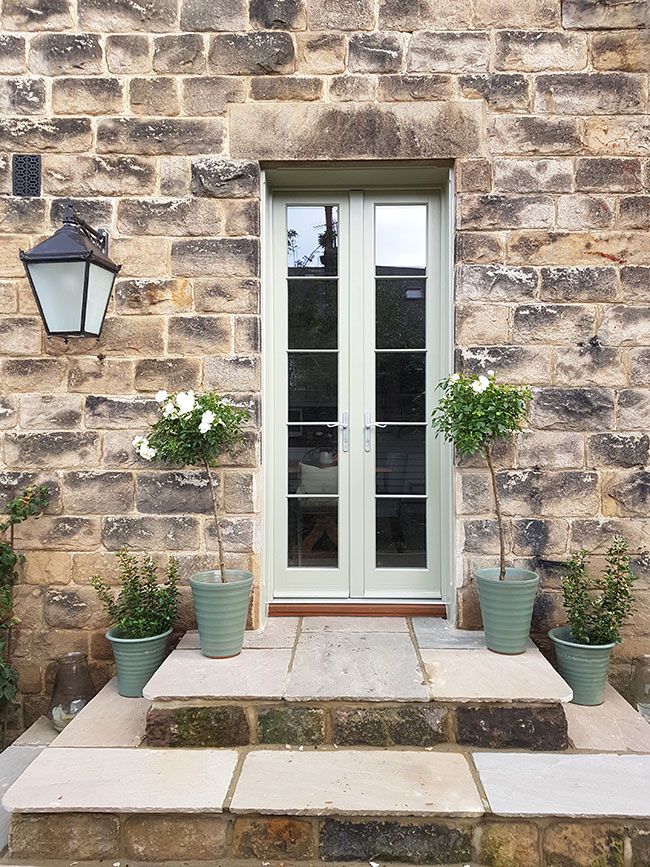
pixel 583 845
pixel 633 408
pixel 47 412
pixel 529 492
pixel 596 534
pixel 248 335
pixel 94 211
pixel 175 176
pixel 425 15
pixel 69 608
pixel 626 493
pixel 341 14
pixel 22 96
pixel 128 53
pixel 498 211
pixel 514 363
pixel 552 323
pixel 153 296
pixel 533 537
pixel 173 533
pixel 87 95
pixel 221 178
pixel 60 533
pixel 238 257
pixel 159 136
pixel 375 52
pixel 100 493
pixel 511 844
pixel 408 726
pixel 527 13
pixel 587 93
pixel 629 134
pixel 590 363
pixel 219 726
pixel 532 728
pixel 67 134
pixel 291 725
pixel 585 212
pixel 535 247
pixel 481 536
pixel 227 295
pixel 480 247
pixel 353 88
pixel 173 492
pixel 635 283
pixel 281 131
pixel 238 535
pixel 51 450
pixel 286 87
pixel 118 451
pixel 179 54
pixel 274 838
pixel 473 176
pixel 634 212
pixel 174 217
pixel 539 50
pixel 210 95
pixel 639 366
pixel 28 603
pixel 65 53
pixel 405 88
pixel 9 296
pixel 394 841
pixel 252 53
pixel 621 50
pixel 320 53
pixel 623 325
pixel 579 409
pixel 608 174
pixel 227 15
pixel 173 374
pixel 242 216
pixel 475 493
pixel 8 412
pixel 40 15
pixel 278 14
pixel 65 835
pixel 151 96
pixel 32 374
pixel 477 323
pixel 156 838
pixel 16 214
pixel 151 16
pixel 502 91
pixel 578 284
pixel 97 176
pixel 89 375
pixel 12 54
pixel 139 257
pixel 496 283
pixel 105 412
pixel 239 493
pixel 533 175
pixel 603 14
pixel 534 135
pixel 618 450
pixel 449 52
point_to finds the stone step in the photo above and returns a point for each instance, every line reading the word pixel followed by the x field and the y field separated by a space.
pixel 354 682
pixel 413 806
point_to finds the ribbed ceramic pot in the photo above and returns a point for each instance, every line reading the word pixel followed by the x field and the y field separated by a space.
pixel 583 666
pixel 507 607
pixel 136 660
pixel 221 610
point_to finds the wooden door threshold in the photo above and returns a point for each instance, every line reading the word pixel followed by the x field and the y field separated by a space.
pixel 357 609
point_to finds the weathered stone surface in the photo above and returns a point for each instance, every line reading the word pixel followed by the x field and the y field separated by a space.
pixel 211 95
pixel 87 95
pixel 425 15
pixel 278 14
pixel 158 838
pixel 291 725
pixel 590 363
pixel 68 608
pixel 624 325
pixel 52 449
pixel 65 54
pixel 530 492
pixel 477 322
pixel 63 533
pixel 67 134
pixel 176 533
pixel 449 52
pixel 286 87
pixel 125 15
pixel 179 54
pixel 534 135
pixel 626 494
pixel 404 88
pixel 375 52
pixel 252 53
pixel 533 175
pixel 472 176
pixel 621 51
pixel 577 284
pixel 507 727
pixel 153 296
pixel 22 96
pixel 175 374
pixel 501 91
pixel 274 838
pixel 119 412
pixel 353 88
pixel 238 257
pixel 639 366
pixel 151 96
pixel 551 323
pixel 12 54
pixel 633 408
pixel 634 212
pixel 584 845
pixel 47 412
pixel 175 217
pixel 418 726
pixel 224 178
pixel 539 50
pixel 490 211
pixel 356 132
pixel 101 493
pixel 535 247
pixel 342 840
pixel 496 283
pixel 159 136
pixel 585 212
pixel 70 835
pixel 97 176
pixel 224 15
pixel 537 538
pixel 39 15
pixel 320 53
pixel 128 53
pixel 32 374
pixel 227 295
pixel 511 844
pixel 584 93
pixel 603 14
pixel 619 450
pixel 221 726
pixel 169 492
pixel 609 174
pixel 527 13
pixel 617 135
pixel 341 14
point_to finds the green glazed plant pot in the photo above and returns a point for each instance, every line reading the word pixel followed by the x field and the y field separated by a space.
pixel 507 607
pixel 136 660
pixel 583 666
pixel 221 610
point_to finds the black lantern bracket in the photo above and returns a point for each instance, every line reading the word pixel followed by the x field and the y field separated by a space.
pixel 98 236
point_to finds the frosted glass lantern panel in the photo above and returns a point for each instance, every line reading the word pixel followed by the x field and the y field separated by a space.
pixel 59 288
pixel 100 283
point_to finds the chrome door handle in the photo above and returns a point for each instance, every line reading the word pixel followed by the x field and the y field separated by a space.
pixel 345 430
pixel 368 425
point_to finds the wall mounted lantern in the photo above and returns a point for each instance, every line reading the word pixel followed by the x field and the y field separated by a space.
pixel 72 278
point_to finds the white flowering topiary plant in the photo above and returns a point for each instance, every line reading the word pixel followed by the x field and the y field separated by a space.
pixel 473 413
pixel 194 430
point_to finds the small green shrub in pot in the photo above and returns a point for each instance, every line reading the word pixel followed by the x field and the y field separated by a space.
pixel 596 610
pixel 474 413
pixel 143 613
pixel 195 430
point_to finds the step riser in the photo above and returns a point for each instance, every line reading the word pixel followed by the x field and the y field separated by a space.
pixel 484 725
pixel 158 838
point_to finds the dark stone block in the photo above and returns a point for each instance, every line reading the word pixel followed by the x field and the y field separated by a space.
pixel 148 533
pixel 223 726
pixel 608 174
pixel 507 727
pixel 291 725
pixel 573 409
pixel 126 15
pixel 22 96
pixel 224 15
pixel 222 178
pixel 63 53
pixel 173 492
pixel 578 284
pixel 500 90
pixel 252 53
pixel 168 135
pixel 619 450
pixel 63 134
pixel 375 52
pixel 119 412
pixel 237 257
pixel 414 726
pixel 425 843
pixel 93 211
pixel 278 14
pixel 181 53
pixel 12 53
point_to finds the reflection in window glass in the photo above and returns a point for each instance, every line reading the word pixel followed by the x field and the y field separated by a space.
pixel 312 240
pixel 401 540
pixel 313 459
pixel 401 460
pixel 313 386
pixel 401 240
pixel 400 386
pixel 313 537
pixel 313 316
pixel 399 311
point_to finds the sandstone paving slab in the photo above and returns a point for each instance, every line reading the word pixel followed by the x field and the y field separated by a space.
pixel 13 762
pixel 356 782
pixel 189 674
pixel 363 667
pixel 480 675
pixel 612 726
pixel 279 632
pixel 40 734
pixel 124 781
pixel 109 720
pixel 436 632
pixel 354 624
pixel 586 785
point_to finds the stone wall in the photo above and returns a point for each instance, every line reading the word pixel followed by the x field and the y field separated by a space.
pixel 152 115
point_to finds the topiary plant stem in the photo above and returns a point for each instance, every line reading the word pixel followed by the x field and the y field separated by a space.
pixel 215 509
pixel 497 508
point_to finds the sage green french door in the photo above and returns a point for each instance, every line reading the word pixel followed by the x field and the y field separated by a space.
pixel 358 324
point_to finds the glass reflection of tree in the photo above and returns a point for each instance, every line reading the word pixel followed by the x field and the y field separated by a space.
pixel 327 234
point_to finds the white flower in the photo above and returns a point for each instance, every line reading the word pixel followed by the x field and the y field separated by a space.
pixel 161 396
pixel 206 421
pixel 137 442
pixel 455 377
pixel 169 408
pixel 185 402
pixel 481 384
pixel 490 373
pixel 147 452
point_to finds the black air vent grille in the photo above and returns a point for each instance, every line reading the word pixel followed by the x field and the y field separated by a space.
pixel 26 174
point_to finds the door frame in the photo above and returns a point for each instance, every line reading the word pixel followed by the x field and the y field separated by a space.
pixel 373 177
